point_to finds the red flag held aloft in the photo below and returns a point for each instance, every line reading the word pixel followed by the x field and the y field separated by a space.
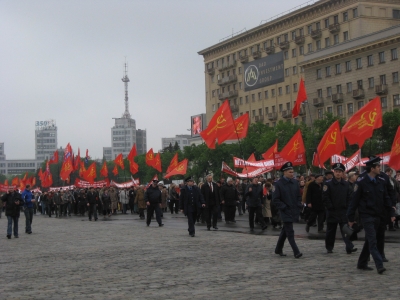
pixel 133 153
pixel 180 169
pixel 269 154
pixel 301 97
pixel 150 161
pixel 119 161
pixel 104 170
pixel 394 161
pixel 331 143
pixel 115 170
pixel 174 162
pixel 54 158
pixel 90 173
pixel 157 163
pixel 241 127
pixel 293 148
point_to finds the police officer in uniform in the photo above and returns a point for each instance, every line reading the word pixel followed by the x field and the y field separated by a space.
pixel 336 195
pixel 286 197
pixel 190 202
pixel 373 203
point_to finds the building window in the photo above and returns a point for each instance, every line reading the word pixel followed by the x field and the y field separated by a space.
pixel 253 97
pixel 340 110
pixel 267 110
pixel 382 79
pixel 294 70
pixel 329 110
pixel 338 69
pixel 213 107
pixel 301 32
pixel 301 50
pixel 213 93
pixel 339 89
pixel 393 53
pixel 318 43
pixel 395 77
pixel 288 105
pixel 293 35
pixel 259 96
pixel 273 92
pixel 359 84
pixel 260 112
pixel 280 107
pixel 358 63
pixel 345 36
pixel 370 60
pixel 309 47
pixel 319 73
pixel 240 85
pixel 329 91
pixel 350 109
pixel 319 93
pixel 247 99
pixel 396 100
pixel 355 12
pixel 349 87
pixel 328 71
pixel 241 100
pixel 345 16
pixel 317 25
pixel 336 39
pixel 396 14
pixel 320 113
pixel 309 29
pixel 348 66
pixel 382 57
pixel 266 94
pixel 326 22
pixel 294 87
pixel 280 91
pixel 288 89
pixel 360 104
pixel 371 83
pixel 383 102
pixel 287 73
pixel 253 112
pixel 336 19
pixel 240 70
pixel 286 54
pixel 294 52
pixel 327 42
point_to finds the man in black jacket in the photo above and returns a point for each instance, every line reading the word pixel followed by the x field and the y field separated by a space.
pixel 336 195
pixel 229 198
pixel 92 202
pixel 152 197
pixel 314 202
pixel 254 195
pixel 190 202
pixel 210 192
pixel 13 201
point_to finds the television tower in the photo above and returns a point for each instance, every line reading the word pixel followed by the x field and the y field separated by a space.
pixel 125 79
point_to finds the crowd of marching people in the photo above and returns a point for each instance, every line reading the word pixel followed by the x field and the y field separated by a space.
pixel 325 203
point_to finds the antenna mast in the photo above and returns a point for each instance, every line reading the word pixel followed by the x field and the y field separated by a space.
pixel 125 79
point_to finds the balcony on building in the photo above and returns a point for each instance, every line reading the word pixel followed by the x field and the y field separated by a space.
pixel 256 54
pixel 227 79
pixel 210 70
pixel 233 94
pixel 227 65
pixel 227 95
pixel 243 58
pixel 270 50
pixel 234 108
pixel 316 34
pixel 381 89
pixel 259 118
pixel 337 98
pixel 334 28
pixel 299 40
pixel 284 45
pixel 286 114
pixel 302 111
pixel 317 102
pixel 272 116
pixel 358 94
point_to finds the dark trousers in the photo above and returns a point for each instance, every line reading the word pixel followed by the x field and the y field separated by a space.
pixel 49 208
pixel 230 211
pixel 313 217
pixel 220 210
pixel 191 216
pixel 287 232
pixel 239 207
pixel 258 213
pixel 331 236
pixel 243 205
pixel 150 210
pixel 12 220
pixel 211 211
pixel 82 209
pixel 141 212
pixel 371 227
pixel 171 206
pixel 28 218
pixel 92 211
pixel 380 237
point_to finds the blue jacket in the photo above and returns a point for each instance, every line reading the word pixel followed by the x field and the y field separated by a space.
pixel 190 201
pixel 27 196
pixel 286 197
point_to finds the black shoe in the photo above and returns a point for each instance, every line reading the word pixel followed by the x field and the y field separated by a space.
pixel 352 250
pixel 365 268
pixel 307 228
pixel 9 236
pixel 381 270
pixel 148 225
pixel 160 225
pixel 264 227
pixel 29 232
pixel 298 255
pixel 280 253
pixel 215 227
pixel 16 236
pixel 233 221
pixel 384 259
pixel 329 251
pixel 208 228
pixel 95 219
pixel 192 235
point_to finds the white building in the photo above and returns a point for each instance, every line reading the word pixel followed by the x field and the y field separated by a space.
pixel 182 140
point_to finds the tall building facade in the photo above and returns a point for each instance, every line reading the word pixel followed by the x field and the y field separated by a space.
pixel 45 139
pixel 259 70
pixel 181 139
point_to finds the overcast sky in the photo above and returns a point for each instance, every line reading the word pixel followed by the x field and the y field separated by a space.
pixel 63 60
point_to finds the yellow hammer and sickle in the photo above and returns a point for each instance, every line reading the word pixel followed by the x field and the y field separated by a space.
pixel 91 173
pixel 150 156
pixel 239 127
pixel 328 142
pixel 220 120
pixel 396 149
pixel 296 146
pixel 372 116
pixel 180 168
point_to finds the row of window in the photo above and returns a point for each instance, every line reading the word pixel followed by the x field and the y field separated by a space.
pixel 20 165
pixel 122 138
pixel 358 63
pixel 121 144
pixel 46 134
pixel 46 147
pixel 121 132
pixel 45 152
pixel 40 141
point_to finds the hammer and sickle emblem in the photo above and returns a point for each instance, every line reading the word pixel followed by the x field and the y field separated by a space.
pixel 239 127
pixel 330 142
pixel 150 156
pixel 372 116
pixel 296 146
pixel 221 119
pixel 179 168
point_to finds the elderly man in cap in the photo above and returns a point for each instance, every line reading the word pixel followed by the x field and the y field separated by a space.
pixel 287 198
pixel 336 195
pixel 191 201
pixel 314 202
pixel 372 200
pixel 152 196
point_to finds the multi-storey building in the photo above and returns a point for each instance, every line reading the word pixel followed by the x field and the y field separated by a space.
pixel 259 70
pixel 45 139
pixel 183 140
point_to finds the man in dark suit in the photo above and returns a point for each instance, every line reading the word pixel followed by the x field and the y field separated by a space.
pixel 190 202
pixel 210 192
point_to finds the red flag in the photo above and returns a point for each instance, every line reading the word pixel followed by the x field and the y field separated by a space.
pixel 119 161
pixel 174 162
pixel 115 170
pixel 77 162
pixel 90 173
pixel 47 180
pixel 82 169
pixel 301 97
pixel 133 167
pixel 33 181
pixel 6 182
pixel 66 169
pixel 241 127
pixel 331 143
pixel 316 161
pixel 104 170
pixel 220 127
pixel 394 161
pixel 15 181
pixel 40 174
pixel 180 169
pixel 269 154
pixel 157 163
pixel 54 158
pixel 293 148
pixel 67 152
pixel 133 153
pixel 362 124
pixel 150 161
